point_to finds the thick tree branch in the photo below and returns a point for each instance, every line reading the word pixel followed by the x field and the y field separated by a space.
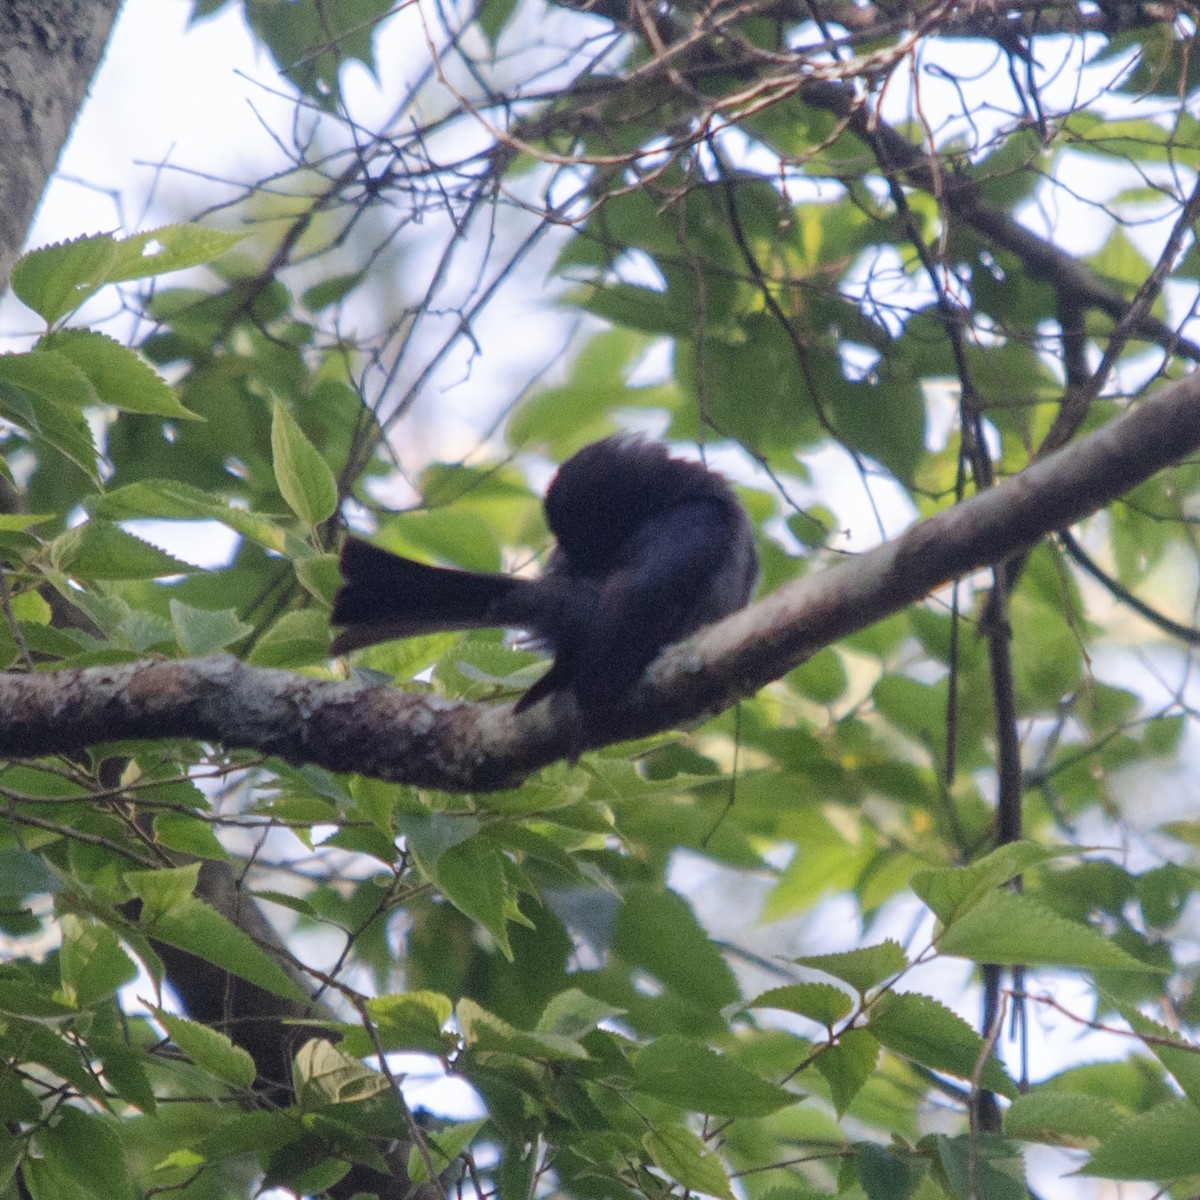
pixel 463 746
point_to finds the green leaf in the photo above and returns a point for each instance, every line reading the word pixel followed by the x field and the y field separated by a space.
pixel 332 290
pixel 926 1031
pixel 188 834
pixel 23 873
pixel 1012 929
pixel 493 17
pixel 822 678
pixel 163 889
pixel 847 1065
pixel 326 1075
pixel 561 419
pixel 92 962
pixel 100 550
pixel 685 1158
pixel 407 1021
pixel 1181 1059
pixel 169 248
pixel 171 500
pixel 863 968
pixel 193 926
pixel 953 890
pixel 17 1101
pixel 886 1173
pixel 57 279
pixel 297 639
pixel 302 475
pixel 319 576
pixel 483 1030
pixel 574 1013
pixel 687 1073
pixel 658 931
pixel 471 876
pixel 209 1049
pixel 1061 1118
pixel 88 1150
pixel 202 631
pixel 445 1145
pixel 821 1002
pixel 119 377
pixel 124 1070
pixel 43 393
pixel 49 379
pixel 982 1165
pixel 1161 1144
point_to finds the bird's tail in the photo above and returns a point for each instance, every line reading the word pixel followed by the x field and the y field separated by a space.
pixel 385 596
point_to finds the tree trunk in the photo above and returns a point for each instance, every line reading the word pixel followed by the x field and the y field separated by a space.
pixel 49 51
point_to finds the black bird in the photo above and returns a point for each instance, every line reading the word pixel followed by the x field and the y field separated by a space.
pixel 649 548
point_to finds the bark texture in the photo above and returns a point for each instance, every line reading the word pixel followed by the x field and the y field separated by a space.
pixel 459 747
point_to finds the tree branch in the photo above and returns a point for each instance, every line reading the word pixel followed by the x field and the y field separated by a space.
pixel 962 196
pixel 461 746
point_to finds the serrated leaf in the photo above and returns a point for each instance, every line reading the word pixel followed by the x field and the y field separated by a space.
pixel 56 279
pixel 686 1159
pixel 863 968
pixel 171 500
pixel 202 631
pixel 847 1065
pixel 209 1049
pixel 1182 1060
pixel 926 1031
pixel 43 393
pixel 1061 1118
pixel 48 378
pixel 1011 929
pixel 950 891
pixel 1161 1144
pixel 302 475
pixel 687 1073
pixel 169 248
pixel 119 376
pixel 190 924
pixel 100 550
pixel 821 1002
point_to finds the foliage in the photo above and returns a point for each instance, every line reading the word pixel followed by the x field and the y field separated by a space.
pixel 774 254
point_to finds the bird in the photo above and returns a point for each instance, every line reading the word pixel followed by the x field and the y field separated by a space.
pixel 648 549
